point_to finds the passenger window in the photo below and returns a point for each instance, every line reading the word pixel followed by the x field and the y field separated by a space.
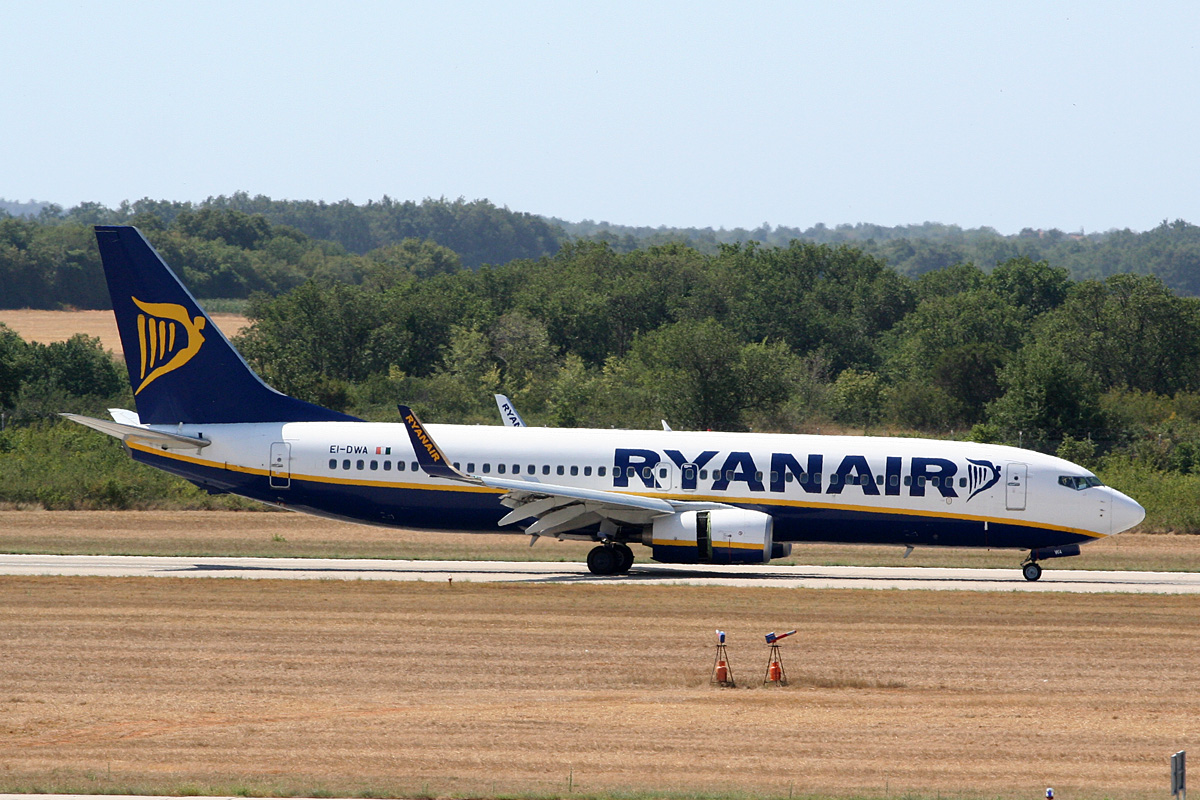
pixel 587 471
pixel 545 469
pixel 601 471
pixel 921 481
pixel 728 474
pixel 532 469
pixel 774 477
pixel 894 480
pixel 387 466
pixel 574 470
pixel 834 479
pixel 487 468
pixel 758 476
pixel 559 470
pixel 333 463
pixel 374 465
pixel 346 464
pixel 703 474
pixel 908 480
pixel 516 469
pixel 456 466
pixel 962 483
pixel 662 473
pixel 400 466
pixel 787 476
pixel 501 468
pixel 631 472
pixel 415 466
pixel 470 466
pixel 360 464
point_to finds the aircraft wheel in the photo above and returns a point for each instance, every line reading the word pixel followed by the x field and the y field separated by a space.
pixel 626 554
pixel 604 560
pixel 1032 571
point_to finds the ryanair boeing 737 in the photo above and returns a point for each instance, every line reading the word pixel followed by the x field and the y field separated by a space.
pixel 691 497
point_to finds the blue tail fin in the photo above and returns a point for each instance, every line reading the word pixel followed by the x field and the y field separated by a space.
pixel 181 367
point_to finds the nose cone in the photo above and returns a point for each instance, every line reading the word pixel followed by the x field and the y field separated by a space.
pixel 1126 512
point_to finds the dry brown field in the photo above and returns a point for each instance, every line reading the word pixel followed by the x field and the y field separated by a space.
pixel 241 533
pixel 494 690
pixel 484 690
pixel 35 325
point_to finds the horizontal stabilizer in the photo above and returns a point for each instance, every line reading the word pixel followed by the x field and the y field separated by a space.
pixel 143 435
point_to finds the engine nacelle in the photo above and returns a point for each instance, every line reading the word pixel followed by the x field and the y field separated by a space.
pixel 721 536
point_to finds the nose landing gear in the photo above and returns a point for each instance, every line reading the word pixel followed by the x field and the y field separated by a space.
pixel 1032 570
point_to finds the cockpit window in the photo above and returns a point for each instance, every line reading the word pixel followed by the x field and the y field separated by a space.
pixel 1079 482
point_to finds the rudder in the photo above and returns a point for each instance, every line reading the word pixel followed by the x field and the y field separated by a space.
pixel 181 367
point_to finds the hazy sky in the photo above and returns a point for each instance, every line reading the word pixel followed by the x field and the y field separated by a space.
pixel 1008 114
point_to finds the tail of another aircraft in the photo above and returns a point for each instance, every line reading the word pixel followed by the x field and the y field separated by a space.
pixel 181 367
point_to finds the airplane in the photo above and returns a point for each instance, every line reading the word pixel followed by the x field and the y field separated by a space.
pixel 692 497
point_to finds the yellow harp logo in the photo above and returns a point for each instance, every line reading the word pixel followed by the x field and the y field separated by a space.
pixel 160 343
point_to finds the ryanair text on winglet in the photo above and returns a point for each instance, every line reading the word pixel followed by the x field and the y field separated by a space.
pixel 425 440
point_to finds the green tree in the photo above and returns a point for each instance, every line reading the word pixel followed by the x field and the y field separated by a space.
pixel 1035 287
pixel 702 378
pixel 1047 396
pixel 311 341
pixel 1129 331
pixel 14 365
pixel 859 398
pixel 398 263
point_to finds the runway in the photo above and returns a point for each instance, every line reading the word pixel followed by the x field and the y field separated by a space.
pixel 531 572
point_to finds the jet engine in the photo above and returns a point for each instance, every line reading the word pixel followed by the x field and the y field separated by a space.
pixel 720 536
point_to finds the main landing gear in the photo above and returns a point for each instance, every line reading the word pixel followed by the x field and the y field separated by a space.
pixel 1031 570
pixel 610 558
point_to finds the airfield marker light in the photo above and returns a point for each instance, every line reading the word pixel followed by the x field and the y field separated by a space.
pixel 1049 793
pixel 722 674
pixel 775 673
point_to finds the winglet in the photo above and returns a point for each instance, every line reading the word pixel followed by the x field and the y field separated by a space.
pixel 429 455
pixel 508 412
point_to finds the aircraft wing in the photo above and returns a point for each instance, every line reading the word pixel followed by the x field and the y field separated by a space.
pixel 127 432
pixel 555 508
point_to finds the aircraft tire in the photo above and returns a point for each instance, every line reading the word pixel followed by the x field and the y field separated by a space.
pixel 626 553
pixel 604 560
pixel 1032 571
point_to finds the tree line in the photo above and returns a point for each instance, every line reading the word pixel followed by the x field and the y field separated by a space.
pixel 1171 250
pixel 232 246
